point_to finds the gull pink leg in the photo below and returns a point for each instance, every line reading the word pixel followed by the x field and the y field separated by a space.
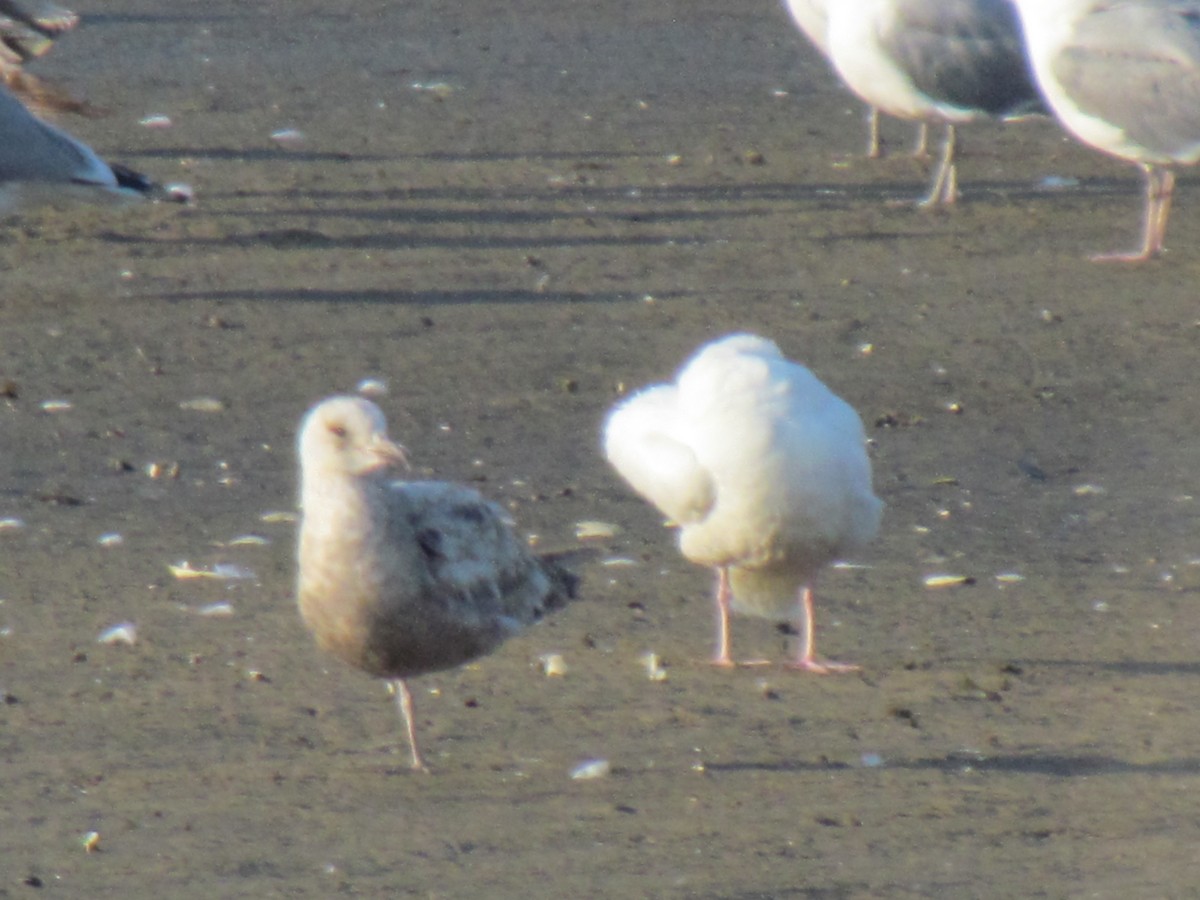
pixel 921 147
pixel 806 655
pixel 404 701
pixel 724 595
pixel 1165 191
pixel 944 191
pixel 874 147
pixel 1160 185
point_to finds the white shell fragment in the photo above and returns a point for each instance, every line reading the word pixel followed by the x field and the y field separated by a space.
pixel 52 406
pixel 156 121
pixel 1009 577
pixel 184 571
pixel 288 137
pixel 553 665
pixel 619 561
pixel 125 633
pixel 592 768
pixel 11 524
pixel 91 841
pixel 111 539
pixel 372 387
pixel 278 516
pixel 179 192
pixel 439 89
pixel 1085 490
pixel 203 404
pixel 945 580
pixel 589 528
pixel 249 540
pixel 655 670
pixel 216 610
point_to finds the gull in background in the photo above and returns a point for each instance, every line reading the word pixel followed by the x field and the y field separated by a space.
pixel 1124 78
pixel 40 163
pixel 947 61
pixel 812 18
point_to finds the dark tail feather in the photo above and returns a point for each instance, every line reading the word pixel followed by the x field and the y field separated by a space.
pixel 565 582
pixel 134 181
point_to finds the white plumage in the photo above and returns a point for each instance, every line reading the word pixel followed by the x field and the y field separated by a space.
pixel 764 470
pixel 812 18
pixel 403 578
pixel 1124 78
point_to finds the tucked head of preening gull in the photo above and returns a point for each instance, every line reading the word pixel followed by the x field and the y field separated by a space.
pixel 948 61
pixel 1125 78
pixel 40 162
pixel 812 18
pixel 764 470
pixel 403 578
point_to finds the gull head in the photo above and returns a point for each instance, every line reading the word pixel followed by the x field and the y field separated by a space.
pixel 347 435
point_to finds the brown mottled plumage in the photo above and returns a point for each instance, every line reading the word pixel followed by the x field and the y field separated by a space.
pixel 403 578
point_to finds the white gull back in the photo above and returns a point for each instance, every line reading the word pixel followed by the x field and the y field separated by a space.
pixel 763 468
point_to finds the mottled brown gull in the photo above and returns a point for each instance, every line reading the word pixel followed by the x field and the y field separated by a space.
pixel 404 578
pixel 1125 78
pixel 764 470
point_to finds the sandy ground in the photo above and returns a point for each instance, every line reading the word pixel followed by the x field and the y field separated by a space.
pixel 507 217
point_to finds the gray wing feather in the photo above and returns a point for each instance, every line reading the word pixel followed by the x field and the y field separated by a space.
pixel 1137 66
pixel 31 150
pixel 968 53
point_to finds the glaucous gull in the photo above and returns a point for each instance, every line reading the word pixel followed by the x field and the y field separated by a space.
pixel 404 578
pixel 1125 78
pixel 764 470
pixel 948 61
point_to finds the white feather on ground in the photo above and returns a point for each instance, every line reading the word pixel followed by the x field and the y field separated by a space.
pixel 404 578
pixel 764 470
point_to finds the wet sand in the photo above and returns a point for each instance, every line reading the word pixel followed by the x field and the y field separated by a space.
pixel 569 203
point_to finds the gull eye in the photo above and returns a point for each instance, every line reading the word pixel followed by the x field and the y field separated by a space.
pixel 338 431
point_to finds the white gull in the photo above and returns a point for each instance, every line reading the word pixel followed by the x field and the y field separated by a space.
pixel 764 470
